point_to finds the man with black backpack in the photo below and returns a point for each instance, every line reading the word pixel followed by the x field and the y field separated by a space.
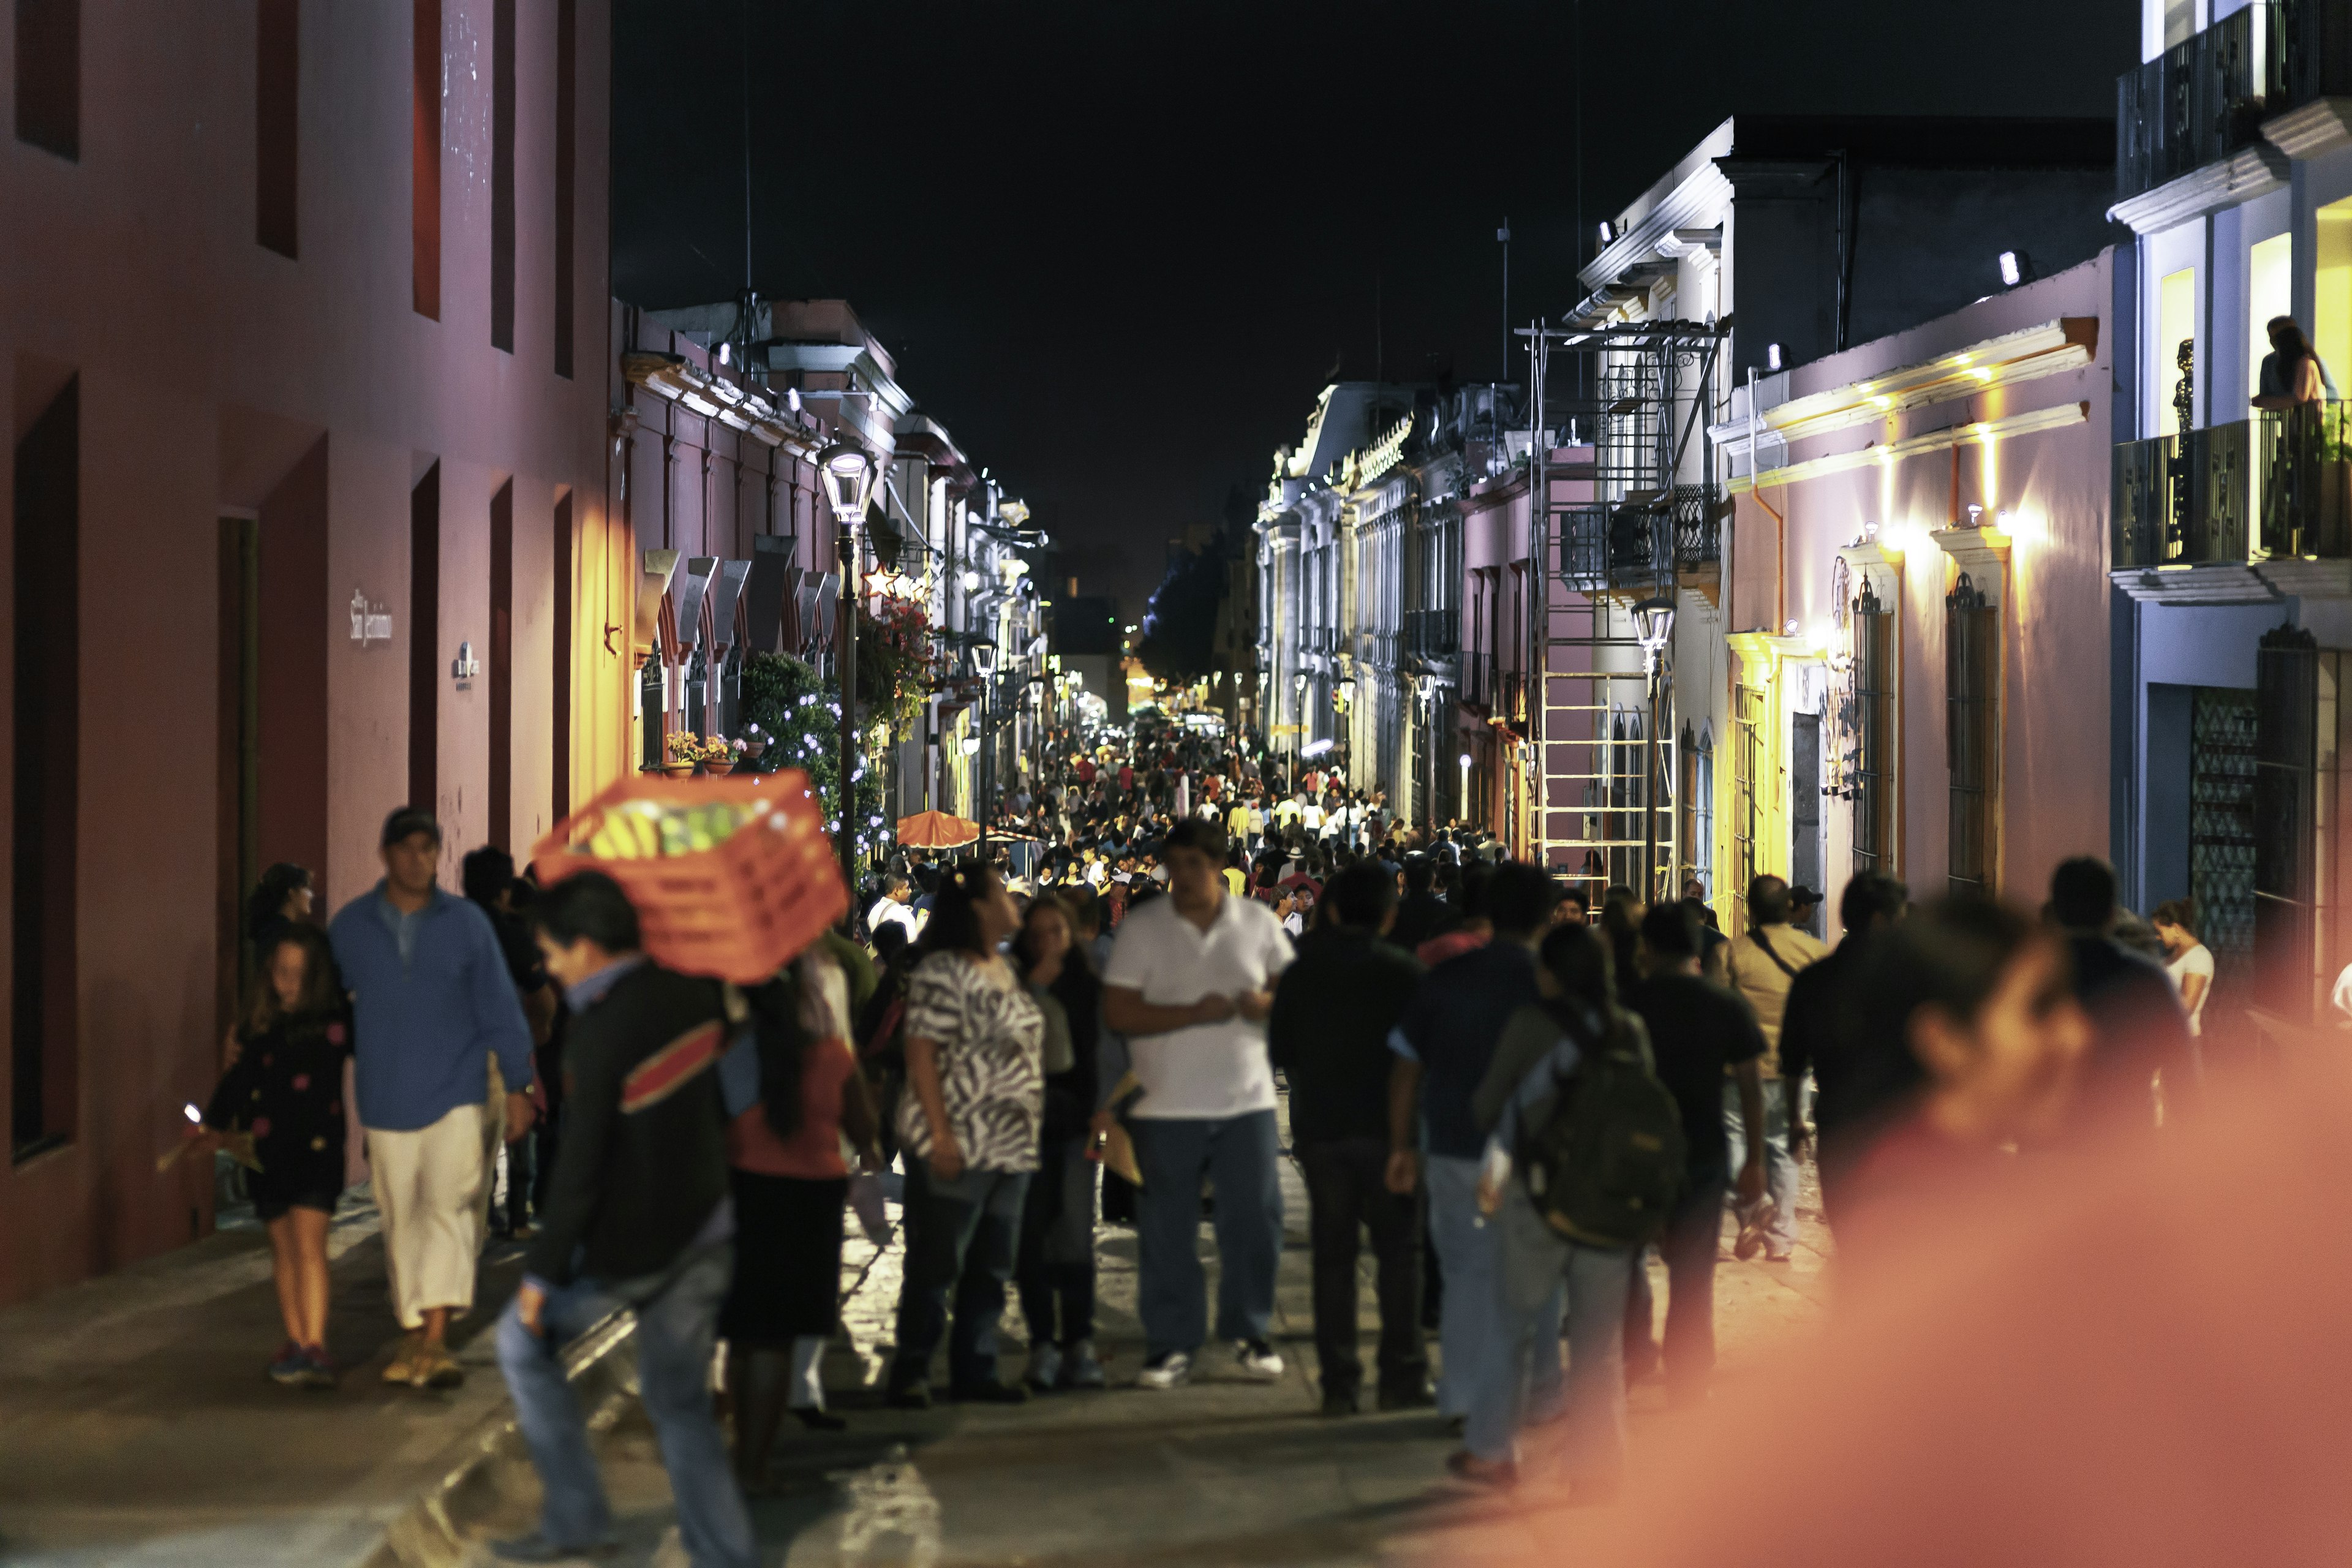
pixel 1762 963
pixel 1583 1163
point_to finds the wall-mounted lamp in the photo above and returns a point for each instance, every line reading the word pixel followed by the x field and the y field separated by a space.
pixel 465 667
pixel 1772 356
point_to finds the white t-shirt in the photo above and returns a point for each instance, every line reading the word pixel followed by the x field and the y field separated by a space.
pixel 2197 960
pixel 888 911
pixel 1206 1069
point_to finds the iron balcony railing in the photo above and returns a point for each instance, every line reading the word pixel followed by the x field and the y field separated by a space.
pixel 1432 634
pixel 1648 537
pixel 2205 97
pixel 2279 484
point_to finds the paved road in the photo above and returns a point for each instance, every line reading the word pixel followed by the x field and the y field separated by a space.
pixel 1222 1472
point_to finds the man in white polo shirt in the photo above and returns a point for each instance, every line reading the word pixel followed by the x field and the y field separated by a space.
pixel 1190 984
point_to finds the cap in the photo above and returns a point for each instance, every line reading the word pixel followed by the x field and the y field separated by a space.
pixel 408 820
pixel 1801 894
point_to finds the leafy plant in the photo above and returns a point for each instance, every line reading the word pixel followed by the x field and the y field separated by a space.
pixel 799 714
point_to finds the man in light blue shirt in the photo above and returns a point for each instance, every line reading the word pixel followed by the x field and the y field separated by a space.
pixel 432 1004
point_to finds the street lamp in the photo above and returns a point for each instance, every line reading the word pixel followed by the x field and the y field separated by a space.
pixel 1425 686
pixel 984 659
pixel 1654 627
pixel 845 469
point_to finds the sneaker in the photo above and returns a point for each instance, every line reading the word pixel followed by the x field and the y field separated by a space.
pixel 288 1364
pixel 1494 1475
pixel 319 1368
pixel 1257 1359
pixel 1778 1254
pixel 1080 1369
pixel 1044 1367
pixel 402 1368
pixel 433 1367
pixel 1165 1371
pixel 910 1397
pixel 1752 1230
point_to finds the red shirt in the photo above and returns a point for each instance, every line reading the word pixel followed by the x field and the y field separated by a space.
pixel 1085 770
pixel 814 1152
pixel 1126 778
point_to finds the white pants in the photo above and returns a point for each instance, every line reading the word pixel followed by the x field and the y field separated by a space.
pixel 429 1187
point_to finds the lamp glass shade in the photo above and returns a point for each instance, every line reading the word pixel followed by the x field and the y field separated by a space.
pixel 984 658
pixel 971 581
pixel 972 745
pixel 1654 621
pixel 847 471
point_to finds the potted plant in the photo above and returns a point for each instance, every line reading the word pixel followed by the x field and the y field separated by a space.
pixel 680 753
pixel 718 756
pixel 753 745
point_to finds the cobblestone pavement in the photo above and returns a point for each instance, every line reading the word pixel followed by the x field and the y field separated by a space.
pixel 1221 1472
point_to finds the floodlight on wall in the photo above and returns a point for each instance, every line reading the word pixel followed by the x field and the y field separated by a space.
pixel 984 658
pixel 2012 269
pixel 847 470
pixel 971 581
pixel 725 352
pixel 793 398
pixel 1608 232
pixel 1772 356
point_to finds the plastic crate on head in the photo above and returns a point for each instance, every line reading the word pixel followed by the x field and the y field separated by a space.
pixel 733 878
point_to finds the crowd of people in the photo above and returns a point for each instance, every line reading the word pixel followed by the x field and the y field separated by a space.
pixel 1516 1084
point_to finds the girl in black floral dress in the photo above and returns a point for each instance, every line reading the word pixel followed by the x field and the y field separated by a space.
pixel 283 1096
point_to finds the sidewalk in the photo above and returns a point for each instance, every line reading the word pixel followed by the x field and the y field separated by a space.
pixel 137 1427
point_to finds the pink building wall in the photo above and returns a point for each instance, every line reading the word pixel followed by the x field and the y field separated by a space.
pixel 2054 795
pixel 209 369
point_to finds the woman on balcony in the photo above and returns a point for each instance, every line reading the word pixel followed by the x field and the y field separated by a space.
pixel 2291 375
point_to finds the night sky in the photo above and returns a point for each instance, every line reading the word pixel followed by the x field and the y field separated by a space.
pixel 1118 246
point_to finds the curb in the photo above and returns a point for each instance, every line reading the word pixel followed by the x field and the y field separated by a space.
pixel 493 1465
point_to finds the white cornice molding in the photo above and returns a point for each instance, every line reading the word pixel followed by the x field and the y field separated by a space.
pixel 2016 425
pixel 2252 171
pixel 2320 126
pixel 1699 202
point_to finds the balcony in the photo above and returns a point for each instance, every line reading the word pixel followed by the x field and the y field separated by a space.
pixel 1648 538
pixel 2200 100
pixel 2189 500
pixel 1432 634
pixel 1489 688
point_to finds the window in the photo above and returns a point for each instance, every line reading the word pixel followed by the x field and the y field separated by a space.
pixel 567 74
pixel 566 590
pixel 2300 723
pixel 425 640
pixel 45 1023
pixel 1746 766
pixel 425 158
pixel 1972 700
pixel 500 667
pixel 502 174
pixel 49 75
pixel 1698 808
pixel 277 125
pixel 1874 753
pixel 2175 348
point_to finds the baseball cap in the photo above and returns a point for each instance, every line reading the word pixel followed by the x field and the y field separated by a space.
pixel 406 820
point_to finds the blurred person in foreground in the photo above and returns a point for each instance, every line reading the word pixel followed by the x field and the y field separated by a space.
pixel 2055 1375
pixel 638 1216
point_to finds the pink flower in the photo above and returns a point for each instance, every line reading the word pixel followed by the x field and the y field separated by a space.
pixel 302 1080
pixel 261 1127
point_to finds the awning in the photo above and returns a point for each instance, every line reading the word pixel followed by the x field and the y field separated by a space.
pixel 725 592
pixel 691 587
pixel 818 593
pixel 766 592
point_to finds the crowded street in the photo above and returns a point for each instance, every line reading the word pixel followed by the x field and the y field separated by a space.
pixel 1069 784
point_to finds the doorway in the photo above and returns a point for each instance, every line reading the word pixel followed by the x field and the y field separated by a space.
pixel 1805 808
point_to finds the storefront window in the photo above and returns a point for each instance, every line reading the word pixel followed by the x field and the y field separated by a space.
pixel 1972 695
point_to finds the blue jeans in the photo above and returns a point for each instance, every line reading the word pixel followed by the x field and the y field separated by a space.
pixel 1536 1259
pixel 1473 1332
pixel 677 1316
pixel 1780 1165
pixel 1238 1154
pixel 962 1237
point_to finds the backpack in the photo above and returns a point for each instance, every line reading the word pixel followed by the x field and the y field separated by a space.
pixel 1606 1167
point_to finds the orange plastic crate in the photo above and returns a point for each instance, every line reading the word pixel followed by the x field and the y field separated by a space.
pixel 739 911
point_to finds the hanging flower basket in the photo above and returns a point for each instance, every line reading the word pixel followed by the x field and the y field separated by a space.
pixel 732 877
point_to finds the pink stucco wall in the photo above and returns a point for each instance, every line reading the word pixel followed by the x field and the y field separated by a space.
pixel 2055 484
pixel 209 367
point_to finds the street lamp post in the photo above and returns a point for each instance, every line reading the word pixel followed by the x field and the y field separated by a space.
pixel 984 659
pixel 1426 686
pixel 847 470
pixel 1297 723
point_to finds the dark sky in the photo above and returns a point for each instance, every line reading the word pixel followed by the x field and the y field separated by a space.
pixel 1119 245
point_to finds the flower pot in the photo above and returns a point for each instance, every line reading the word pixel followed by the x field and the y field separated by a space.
pixel 718 770
pixel 755 750
pixel 679 770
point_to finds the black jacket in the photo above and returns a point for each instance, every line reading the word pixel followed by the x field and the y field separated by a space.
pixel 642 1161
pixel 1328 1033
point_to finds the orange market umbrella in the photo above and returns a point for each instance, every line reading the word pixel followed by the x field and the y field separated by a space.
pixel 936 830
